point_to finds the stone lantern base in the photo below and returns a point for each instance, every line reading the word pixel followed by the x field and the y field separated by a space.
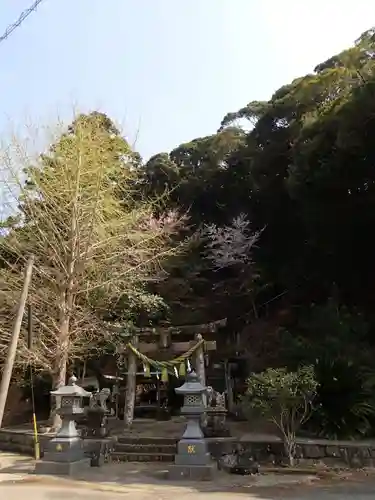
pixel 192 472
pixel 193 461
pixel 49 468
pixel 63 457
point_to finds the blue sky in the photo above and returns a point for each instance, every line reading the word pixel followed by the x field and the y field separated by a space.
pixel 166 70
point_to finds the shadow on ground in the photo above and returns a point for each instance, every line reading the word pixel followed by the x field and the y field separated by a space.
pixel 21 466
pixel 150 479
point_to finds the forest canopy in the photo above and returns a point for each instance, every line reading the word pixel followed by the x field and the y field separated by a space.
pixel 304 173
pixel 299 168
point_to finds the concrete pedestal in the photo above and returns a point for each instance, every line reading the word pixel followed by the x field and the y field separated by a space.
pixel 216 423
pixel 63 456
pixel 192 472
pixel 192 461
pixel 48 467
pixel 98 450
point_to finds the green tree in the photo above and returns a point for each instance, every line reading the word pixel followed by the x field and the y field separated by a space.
pixel 95 244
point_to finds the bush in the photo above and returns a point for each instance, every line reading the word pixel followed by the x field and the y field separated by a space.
pixel 335 340
pixel 327 331
pixel 285 399
pixel 345 403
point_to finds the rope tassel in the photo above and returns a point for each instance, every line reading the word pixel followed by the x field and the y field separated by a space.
pixel 146 369
pixel 182 370
pixel 164 375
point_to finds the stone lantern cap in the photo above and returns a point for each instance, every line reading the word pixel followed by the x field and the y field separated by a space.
pixel 72 390
pixel 191 386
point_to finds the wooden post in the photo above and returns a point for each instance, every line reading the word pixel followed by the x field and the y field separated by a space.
pixel 201 372
pixel 199 363
pixel 158 395
pixel 29 346
pixel 83 374
pixel 164 339
pixel 131 385
pixel 12 349
pixel 229 386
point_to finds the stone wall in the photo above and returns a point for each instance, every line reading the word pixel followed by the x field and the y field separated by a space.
pixel 19 441
pixel 268 451
pixel 353 454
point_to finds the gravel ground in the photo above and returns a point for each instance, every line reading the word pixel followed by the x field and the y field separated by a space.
pixel 145 482
pixel 39 491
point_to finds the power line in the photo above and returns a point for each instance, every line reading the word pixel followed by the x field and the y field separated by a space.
pixel 20 20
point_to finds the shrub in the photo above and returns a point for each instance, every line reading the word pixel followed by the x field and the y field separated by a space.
pixel 336 341
pixel 345 403
pixel 284 398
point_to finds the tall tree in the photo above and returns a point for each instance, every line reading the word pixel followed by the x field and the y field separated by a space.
pixel 95 244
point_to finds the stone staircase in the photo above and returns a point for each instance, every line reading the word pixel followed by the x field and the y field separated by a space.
pixel 144 449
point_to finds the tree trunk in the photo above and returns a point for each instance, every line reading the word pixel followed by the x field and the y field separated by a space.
pixel 67 300
pixel 290 449
pixel 60 368
pixel 131 385
pixel 66 304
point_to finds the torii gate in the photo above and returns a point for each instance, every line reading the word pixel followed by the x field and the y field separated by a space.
pixel 172 347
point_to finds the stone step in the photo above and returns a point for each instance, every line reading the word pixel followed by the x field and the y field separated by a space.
pixel 142 457
pixel 152 441
pixel 145 448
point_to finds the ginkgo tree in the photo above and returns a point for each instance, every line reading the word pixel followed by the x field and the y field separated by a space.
pixel 96 242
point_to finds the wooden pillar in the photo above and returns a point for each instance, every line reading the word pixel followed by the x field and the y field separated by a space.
pixel 229 386
pixel 164 339
pixel 201 372
pixel 158 393
pixel 199 364
pixel 199 361
pixel 131 385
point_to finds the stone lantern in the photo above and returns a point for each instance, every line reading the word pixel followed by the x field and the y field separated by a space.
pixel 193 460
pixel 65 452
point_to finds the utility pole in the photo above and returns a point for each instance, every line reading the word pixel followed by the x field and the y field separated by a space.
pixel 12 349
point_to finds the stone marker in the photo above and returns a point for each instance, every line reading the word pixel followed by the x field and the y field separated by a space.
pixel 216 425
pixel 193 460
pixel 64 454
